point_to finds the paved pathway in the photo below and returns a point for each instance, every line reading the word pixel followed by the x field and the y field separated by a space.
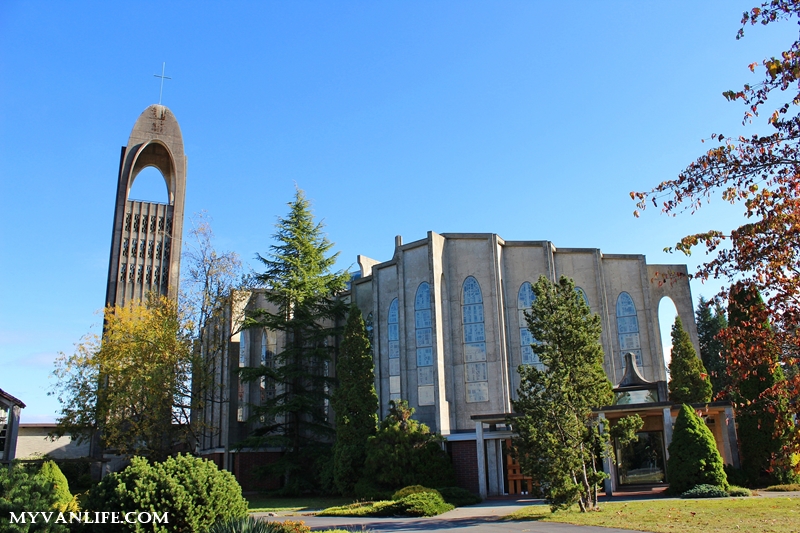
pixel 473 519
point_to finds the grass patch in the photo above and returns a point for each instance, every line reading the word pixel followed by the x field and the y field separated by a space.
pixel 417 504
pixel 262 503
pixel 381 508
pixel 773 515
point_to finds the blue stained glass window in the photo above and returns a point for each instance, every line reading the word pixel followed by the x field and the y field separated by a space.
pixel 625 306
pixel 525 296
pixel 472 291
pixel 583 294
pixel 628 328
pixel 393 334
pixel 525 299
pixel 424 331
pixel 423 299
pixel 476 375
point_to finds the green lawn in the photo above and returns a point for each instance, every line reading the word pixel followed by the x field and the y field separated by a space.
pixel 270 504
pixel 767 515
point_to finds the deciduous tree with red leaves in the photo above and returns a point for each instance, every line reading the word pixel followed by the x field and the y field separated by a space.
pixel 761 173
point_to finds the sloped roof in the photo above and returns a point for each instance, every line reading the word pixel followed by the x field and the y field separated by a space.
pixel 15 401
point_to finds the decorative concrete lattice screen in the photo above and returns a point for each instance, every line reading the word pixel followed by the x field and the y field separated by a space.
pixel 475 372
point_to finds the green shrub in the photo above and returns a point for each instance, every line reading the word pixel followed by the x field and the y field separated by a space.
pixel 382 508
pixel 424 504
pixel 411 489
pixel 250 524
pixel 736 476
pixel 366 490
pixel 784 488
pixel 64 499
pixel 404 452
pixel 416 504
pixel 705 491
pixel 693 455
pixel 193 492
pixel 739 492
pixel 458 497
pixel 78 474
pixel 25 491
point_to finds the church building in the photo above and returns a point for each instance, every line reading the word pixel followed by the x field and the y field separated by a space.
pixel 446 317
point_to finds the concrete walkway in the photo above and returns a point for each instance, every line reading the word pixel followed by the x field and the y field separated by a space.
pixel 484 516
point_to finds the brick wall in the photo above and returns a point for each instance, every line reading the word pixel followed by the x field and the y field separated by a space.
pixel 246 469
pixel 216 458
pixel 465 462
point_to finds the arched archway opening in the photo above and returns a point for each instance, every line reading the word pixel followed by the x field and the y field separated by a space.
pixel 666 318
pixel 149 185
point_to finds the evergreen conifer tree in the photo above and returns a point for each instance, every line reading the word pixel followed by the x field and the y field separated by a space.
pixel 404 452
pixel 560 442
pixel 689 382
pixel 693 455
pixel 354 402
pixel 301 284
pixel 761 439
pixel 710 321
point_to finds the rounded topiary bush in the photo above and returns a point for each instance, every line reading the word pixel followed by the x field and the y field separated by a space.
pixel 458 497
pixel 693 455
pixel 705 491
pixel 424 504
pixel 411 489
pixel 193 492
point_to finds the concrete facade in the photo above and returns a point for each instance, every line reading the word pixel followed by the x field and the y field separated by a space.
pixel 33 443
pixel 455 356
pixel 144 255
pixel 449 334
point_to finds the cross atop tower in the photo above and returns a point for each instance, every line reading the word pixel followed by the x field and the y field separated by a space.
pixel 160 92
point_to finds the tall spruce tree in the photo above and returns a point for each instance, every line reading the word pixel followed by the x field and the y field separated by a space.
pixel 710 321
pixel 355 404
pixel 301 284
pixel 761 437
pixel 689 381
pixel 560 442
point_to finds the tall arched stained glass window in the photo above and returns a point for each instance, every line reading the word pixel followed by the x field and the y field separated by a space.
pixel 525 298
pixel 475 371
pixel 583 294
pixel 269 347
pixel 394 352
pixel 244 389
pixel 424 336
pixel 628 328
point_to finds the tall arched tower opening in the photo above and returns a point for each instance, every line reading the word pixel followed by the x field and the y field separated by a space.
pixel 146 240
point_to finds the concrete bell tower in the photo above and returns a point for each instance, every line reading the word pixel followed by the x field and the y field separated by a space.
pixel 146 240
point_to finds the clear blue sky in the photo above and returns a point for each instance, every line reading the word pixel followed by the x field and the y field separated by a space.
pixel 532 120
